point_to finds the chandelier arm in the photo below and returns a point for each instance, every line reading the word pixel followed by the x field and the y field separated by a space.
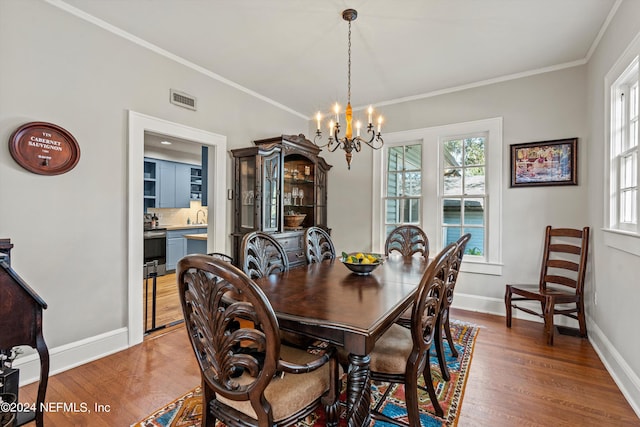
pixel 371 144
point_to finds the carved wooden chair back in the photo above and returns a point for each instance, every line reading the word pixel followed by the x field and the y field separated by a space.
pixel 443 318
pixel 318 245
pixel 401 355
pixel 564 265
pixel 407 240
pixel 262 255
pixel 238 348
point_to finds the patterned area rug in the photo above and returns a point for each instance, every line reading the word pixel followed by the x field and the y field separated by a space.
pixel 186 411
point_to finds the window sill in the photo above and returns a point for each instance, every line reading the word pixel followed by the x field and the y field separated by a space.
pixel 476 267
pixel 622 240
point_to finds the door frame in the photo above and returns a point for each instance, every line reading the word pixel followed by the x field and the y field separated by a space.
pixel 216 219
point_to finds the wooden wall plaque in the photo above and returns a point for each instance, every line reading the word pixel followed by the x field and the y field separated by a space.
pixel 44 148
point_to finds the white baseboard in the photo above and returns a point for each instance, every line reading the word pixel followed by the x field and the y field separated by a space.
pixel 625 378
pixel 628 381
pixel 73 354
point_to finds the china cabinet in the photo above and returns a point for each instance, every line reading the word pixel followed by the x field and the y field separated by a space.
pixel 278 181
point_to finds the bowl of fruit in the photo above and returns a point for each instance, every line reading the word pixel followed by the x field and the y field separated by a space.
pixel 360 262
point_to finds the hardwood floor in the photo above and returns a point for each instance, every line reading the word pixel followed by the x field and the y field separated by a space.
pixel 168 309
pixel 515 379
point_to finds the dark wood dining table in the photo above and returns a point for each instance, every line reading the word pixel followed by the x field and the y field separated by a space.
pixel 328 302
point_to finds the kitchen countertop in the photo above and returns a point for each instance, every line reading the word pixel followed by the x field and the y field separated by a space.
pixel 202 236
pixel 184 227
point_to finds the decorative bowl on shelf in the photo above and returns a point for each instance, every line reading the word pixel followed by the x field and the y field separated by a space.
pixel 294 220
pixel 360 262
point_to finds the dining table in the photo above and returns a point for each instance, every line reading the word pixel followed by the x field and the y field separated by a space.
pixel 327 301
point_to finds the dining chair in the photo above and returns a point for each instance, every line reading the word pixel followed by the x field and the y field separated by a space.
pixel 249 378
pixel 564 264
pixel 443 317
pixel 262 255
pixel 407 240
pixel 318 245
pixel 401 355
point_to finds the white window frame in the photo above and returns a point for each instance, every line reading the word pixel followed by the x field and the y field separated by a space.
pixel 432 188
pixel 623 236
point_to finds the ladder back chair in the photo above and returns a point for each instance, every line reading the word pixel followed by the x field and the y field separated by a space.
pixel 248 377
pixel 318 245
pixel 564 264
pixel 401 355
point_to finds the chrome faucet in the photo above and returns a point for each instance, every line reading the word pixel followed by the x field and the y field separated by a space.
pixel 204 216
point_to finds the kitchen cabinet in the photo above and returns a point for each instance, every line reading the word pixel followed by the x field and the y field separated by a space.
pixel 150 184
pixel 177 244
pixel 170 184
pixel 196 243
pixel 274 178
pixel 175 185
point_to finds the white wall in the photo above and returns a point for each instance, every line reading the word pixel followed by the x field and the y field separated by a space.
pixel 70 230
pixel 616 314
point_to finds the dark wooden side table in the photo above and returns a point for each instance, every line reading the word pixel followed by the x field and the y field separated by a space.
pixel 21 324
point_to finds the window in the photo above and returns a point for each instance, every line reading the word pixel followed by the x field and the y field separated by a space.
pixel 404 186
pixel 463 197
pixel 447 180
pixel 623 173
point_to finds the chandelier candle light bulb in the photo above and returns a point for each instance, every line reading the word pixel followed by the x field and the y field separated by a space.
pixel 349 143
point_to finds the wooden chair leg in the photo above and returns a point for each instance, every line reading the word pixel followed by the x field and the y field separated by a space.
pixel 428 382
pixel 548 309
pixel 582 321
pixel 411 396
pixel 208 420
pixel 507 305
pixel 447 331
pixel 442 360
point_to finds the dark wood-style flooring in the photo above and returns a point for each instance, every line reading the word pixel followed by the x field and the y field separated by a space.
pixel 515 379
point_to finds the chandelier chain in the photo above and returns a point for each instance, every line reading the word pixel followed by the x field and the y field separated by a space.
pixel 349 68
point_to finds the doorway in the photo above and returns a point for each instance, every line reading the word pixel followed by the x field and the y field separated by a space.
pixel 217 241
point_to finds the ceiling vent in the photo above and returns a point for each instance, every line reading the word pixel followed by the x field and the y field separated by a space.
pixel 182 99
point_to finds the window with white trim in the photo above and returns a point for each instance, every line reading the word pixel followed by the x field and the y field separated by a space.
pixel 624 159
pixel 447 180
pixel 463 196
pixel 403 198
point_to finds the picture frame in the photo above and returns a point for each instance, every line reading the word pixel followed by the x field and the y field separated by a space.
pixel 544 163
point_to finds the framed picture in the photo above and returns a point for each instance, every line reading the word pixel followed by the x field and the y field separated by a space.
pixel 544 163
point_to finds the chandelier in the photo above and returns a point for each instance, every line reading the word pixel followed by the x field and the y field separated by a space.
pixel 348 142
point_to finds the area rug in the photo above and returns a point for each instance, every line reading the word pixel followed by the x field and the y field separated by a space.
pixel 186 411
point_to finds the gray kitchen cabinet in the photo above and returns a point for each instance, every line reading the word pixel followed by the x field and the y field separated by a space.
pixel 151 184
pixel 175 184
pixel 177 245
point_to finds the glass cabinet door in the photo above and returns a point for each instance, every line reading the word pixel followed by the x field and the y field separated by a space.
pixel 321 197
pixel 271 192
pixel 247 187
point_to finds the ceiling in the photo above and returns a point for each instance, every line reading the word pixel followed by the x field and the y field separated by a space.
pixel 294 53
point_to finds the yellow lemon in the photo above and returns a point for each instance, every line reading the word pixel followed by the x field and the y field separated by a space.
pixel 365 261
pixel 359 255
pixel 371 258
